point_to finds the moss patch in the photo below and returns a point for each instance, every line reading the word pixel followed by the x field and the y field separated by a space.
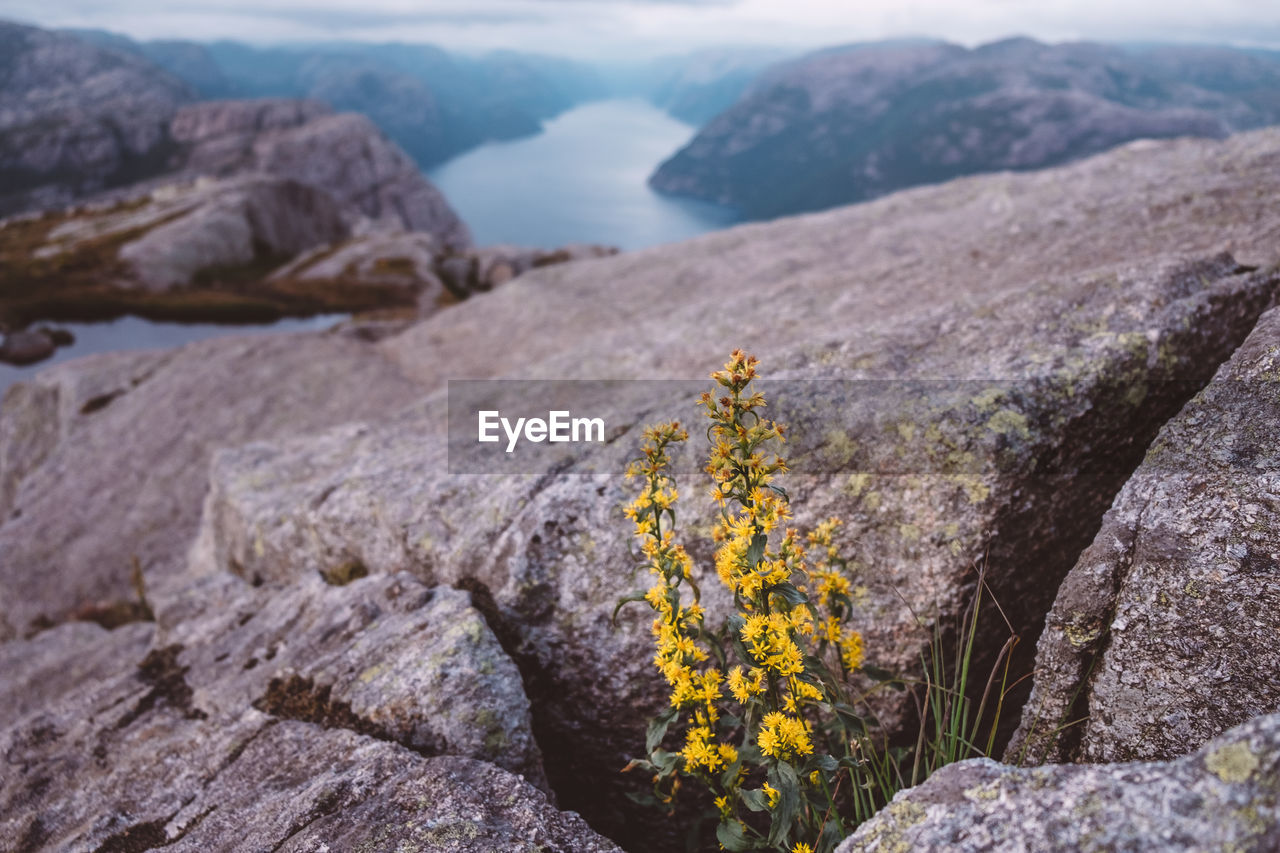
pixel 83 283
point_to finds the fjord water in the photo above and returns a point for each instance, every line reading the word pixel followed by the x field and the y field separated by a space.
pixel 582 180
pixel 135 333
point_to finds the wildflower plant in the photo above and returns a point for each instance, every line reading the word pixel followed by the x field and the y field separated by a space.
pixel 762 701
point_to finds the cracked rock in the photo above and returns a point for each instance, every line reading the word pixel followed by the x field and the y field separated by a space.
pixel 1164 633
pixel 1224 797
pixel 317 713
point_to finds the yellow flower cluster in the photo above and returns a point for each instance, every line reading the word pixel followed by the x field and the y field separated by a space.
pixel 743 687
pixel 779 623
pixel 676 626
pixel 782 736
pixel 834 590
pixel 701 750
pixel 769 641
pixel 851 651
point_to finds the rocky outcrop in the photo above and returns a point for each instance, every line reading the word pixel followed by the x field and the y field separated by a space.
pixel 1163 635
pixel 27 346
pixel 261 182
pixel 277 719
pixel 218 136
pixel 1069 352
pixel 72 438
pixel 384 656
pixel 76 119
pixel 1073 311
pixel 345 155
pixel 1224 797
pixel 431 276
pixel 854 123
pixel 233 249
pixel 89 111
pixel 211 229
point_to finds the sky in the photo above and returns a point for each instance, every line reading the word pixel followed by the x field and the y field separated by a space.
pixel 599 29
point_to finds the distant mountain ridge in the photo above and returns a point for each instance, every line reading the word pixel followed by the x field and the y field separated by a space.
pixel 75 120
pixel 432 103
pixel 847 124
pixel 697 87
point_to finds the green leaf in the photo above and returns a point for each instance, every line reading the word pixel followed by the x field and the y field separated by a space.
pixel 789 593
pixel 824 762
pixel 658 729
pixel 635 596
pixel 756 551
pixel 846 710
pixel 832 834
pixel 641 763
pixel 814 666
pixel 732 836
pixel 755 799
pixel 666 762
pixel 782 776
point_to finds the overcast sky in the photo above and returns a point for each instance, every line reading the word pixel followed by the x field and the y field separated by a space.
pixel 605 28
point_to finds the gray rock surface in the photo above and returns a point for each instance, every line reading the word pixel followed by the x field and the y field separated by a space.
pixel 1224 797
pixel 218 136
pixel 435 276
pixel 123 443
pixel 27 346
pixel 842 125
pixel 124 741
pixel 385 656
pixel 213 228
pixel 76 119
pixel 38 675
pixel 344 154
pixel 1066 282
pixel 1092 285
pixel 1163 635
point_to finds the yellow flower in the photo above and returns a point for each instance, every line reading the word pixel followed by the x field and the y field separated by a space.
pixel 771 793
pixel 801 847
pixel 722 804
pixel 744 687
pixel 851 651
pixel 699 753
pixel 781 736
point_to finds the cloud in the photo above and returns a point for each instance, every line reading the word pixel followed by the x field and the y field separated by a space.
pixel 612 28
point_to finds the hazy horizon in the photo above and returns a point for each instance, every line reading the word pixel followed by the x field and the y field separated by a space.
pixel 635 30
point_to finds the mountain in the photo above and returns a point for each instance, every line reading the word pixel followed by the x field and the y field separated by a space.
pixel 76 118
pixel 432 103
pixel 853 123
pixel 190 62
pixel 697 87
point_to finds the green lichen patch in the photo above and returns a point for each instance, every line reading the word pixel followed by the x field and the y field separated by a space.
pixel 344 573
pixel 1232 763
